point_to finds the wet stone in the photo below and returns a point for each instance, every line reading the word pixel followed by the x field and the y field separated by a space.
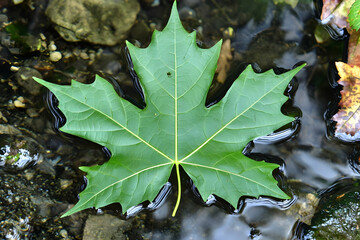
pixel 105 227
pixel 80 21
pixel 9 130
pixel 75 222
pixel 338 217
pixel 43 204
pixel 24 78
pixel 45 166
pixel 65 183
pixel 187 13
pixel 31 112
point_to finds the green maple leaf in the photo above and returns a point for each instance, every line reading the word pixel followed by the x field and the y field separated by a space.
pixel 175 128
pixel 354 15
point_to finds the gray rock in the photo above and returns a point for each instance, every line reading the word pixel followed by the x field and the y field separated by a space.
pixel 97 21
pixel 43 204
pixel 9 130
pixel 45 166
pixel 24 78
pixel 105 227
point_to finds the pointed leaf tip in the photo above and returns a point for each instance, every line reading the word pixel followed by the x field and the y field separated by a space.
pixel 38 80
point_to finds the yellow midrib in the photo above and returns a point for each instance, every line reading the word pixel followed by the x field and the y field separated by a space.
pixel 176 162
pixel 176 100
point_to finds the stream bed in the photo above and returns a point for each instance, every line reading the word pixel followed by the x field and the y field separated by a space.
pixel 39 175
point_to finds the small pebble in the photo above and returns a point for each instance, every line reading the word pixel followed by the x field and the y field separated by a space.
pixel 17 1
pixel 200 31
pixel 76 52
pixel 84 55
pixel 153 26
pixel 65 183
pixel 64 233
pixel 311 197
pixel 92 56
pixel 52 46
pixel 55 56
pixel 43 45
pixel 19 102
pixel 42 36
pixel 187 13
pixel 29 175
pixel 14 68
pixel 31 112
pixel 155 3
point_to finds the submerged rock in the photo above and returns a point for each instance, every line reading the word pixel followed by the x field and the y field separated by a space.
pixel 24 78
pixel 105 227
pixel 338 214
pixel 97 21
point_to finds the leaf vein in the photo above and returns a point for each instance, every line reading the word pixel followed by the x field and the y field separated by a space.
pixel 128 130
pixel 231 121
pixel 230 173
pixel 121 180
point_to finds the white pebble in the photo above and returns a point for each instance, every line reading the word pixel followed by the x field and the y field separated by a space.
pixel 84 56
pixel 17 1
pixel 42 36
pixel 55 56
pixel 52 46
pixel 14 68
pixel 19 104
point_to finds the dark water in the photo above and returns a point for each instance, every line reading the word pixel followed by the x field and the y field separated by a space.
pixel 265 35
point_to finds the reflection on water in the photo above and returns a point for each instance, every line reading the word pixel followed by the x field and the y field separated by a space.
pixel 20 158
